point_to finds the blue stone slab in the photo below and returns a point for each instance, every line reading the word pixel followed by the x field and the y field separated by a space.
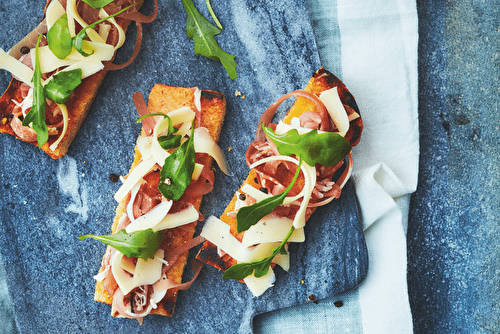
pixel 453 229
pixel 46 204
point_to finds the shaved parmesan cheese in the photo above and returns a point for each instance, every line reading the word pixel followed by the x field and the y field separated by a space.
pixel 306 192
pixel 121 33
pixel 148 272
pixel 48 61
pixel 157 152
pixel 88 66
pixel 218 233
pixel 102 52
pixel 143 168
pixel 181 115
pixel 104 30
pixel 122 278
pixel 160 288
pixel 14 66
pixel 310 181
pixel 102 275
pixel 336 110
pixel 128 264
pixel 184 129
pixel 259 195
pixel 288 200
pixel 282 127
pixel 27 102
pixel 64 112
pixel 133 195
pixel 271 229
pixel 197 99
pixel 54 11
pixel 144 146
pixel 204 143
pixel 283 260
pixel 150 219
pixel 73 16
pixel 186 216
pixel 259 285
pixel 198 168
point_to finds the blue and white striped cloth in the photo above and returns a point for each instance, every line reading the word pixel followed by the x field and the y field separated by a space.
pixel 372 47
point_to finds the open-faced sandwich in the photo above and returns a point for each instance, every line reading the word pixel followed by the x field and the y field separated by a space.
pixel 58 68
pixel 159 201
pixel 298 164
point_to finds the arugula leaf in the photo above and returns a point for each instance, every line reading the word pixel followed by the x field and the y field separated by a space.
pixel 142 244
pixel 257 267
pixel 177 171
pixel 326 148
pixel 59 38
pixel 248 216
pixel 97 4
pixel 203 33
pixel 151 115
pixel 170 140
pixel 62 85
pixel 36 115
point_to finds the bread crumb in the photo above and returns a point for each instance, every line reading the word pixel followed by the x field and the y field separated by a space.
pixel 238 93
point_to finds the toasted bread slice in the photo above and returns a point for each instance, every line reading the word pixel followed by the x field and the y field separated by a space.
pixel 321 80
pixel 78 104
pixel 164 99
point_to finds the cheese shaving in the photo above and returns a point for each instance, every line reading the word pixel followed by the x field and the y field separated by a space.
pixel 144 167
pixel 64 112
pixel 54 11
pixel 336 110
pixel 14 66
pixel 73 16
pixel 122 278
pixel 271 228
pixel 133 195
pixel 150 219
pixel 148 272
pixel 121 33
pixel 171 220
pixel 306 192
pixel 259 285
pixel 204 143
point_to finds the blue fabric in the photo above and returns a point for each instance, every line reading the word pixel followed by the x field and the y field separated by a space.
pixel 337 315
pixel 326 30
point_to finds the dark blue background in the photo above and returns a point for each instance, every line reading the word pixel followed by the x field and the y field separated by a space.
pixel 454 226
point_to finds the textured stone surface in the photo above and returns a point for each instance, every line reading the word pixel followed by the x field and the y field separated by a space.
pixel 453 248
pixel 47 204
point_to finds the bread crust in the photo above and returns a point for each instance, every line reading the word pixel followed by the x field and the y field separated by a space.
pixel 163 99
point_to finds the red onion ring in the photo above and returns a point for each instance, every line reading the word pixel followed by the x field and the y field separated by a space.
pixel 268 114
pixel 109 66
pixel 139 17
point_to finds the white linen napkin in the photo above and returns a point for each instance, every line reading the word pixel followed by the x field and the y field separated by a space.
pixel 372 45
pixel 379 41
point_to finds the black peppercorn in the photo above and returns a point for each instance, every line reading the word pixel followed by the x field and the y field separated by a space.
pixel 25 50
pixel 264 190
pixel 338 303
pixel 242 197
pixel 113 177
